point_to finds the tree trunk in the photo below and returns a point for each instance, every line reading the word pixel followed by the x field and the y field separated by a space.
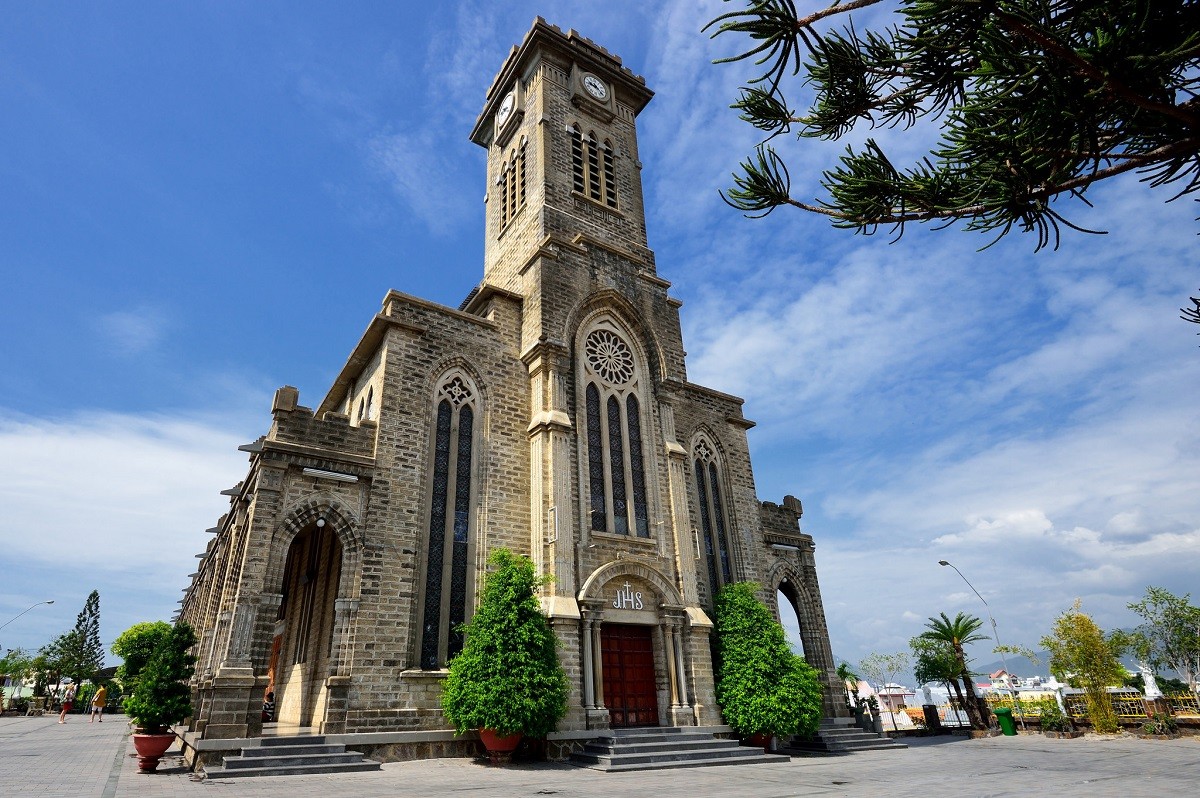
pixel 973 712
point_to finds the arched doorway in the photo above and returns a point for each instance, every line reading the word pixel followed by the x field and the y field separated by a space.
pixel 301 652
pixel 789 619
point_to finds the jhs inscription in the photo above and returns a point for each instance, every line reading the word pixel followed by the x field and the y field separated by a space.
pixel 627 599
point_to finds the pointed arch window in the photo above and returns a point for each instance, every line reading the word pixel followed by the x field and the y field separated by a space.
pixel 451 513
pixel 615 458
pixel 712 516
pixel 512 185
pixel 593 167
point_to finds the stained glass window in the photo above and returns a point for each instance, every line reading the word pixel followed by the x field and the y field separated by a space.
pixel 445 606
pixel 616 458
pixel 437 539
pixel 636 468
pixel 616 463
pixel 717 553
pixel 714 583
pixel 595 460
pixel 719 521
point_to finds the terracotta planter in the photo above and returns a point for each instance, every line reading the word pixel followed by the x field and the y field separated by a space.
pixel 150 748
pixel 499 749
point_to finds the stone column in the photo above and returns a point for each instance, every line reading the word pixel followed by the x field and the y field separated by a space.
pixel 681 525
pixel 344 611
pixel 589 691
pixel 597 714
pixel 662 633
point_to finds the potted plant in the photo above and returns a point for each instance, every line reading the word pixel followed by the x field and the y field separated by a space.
pixel 764 689
pixel 507 681
pixel 162 697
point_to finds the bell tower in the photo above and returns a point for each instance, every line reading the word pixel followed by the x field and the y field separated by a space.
pixel 559 125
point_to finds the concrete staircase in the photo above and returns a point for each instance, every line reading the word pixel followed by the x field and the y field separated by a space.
pixel 289 756
pixel 840 736
pixel 667 747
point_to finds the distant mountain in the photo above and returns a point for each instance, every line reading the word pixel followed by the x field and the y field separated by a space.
pixel 1017 665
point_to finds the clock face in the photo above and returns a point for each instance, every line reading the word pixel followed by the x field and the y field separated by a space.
pixel 595 87
pixel 506 108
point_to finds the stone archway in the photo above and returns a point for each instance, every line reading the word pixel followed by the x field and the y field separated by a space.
pixel 814 635
pixel 302 651
pixel 314 576
pixel 634 630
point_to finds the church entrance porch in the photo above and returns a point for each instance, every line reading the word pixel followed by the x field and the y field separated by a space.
pixel 630 692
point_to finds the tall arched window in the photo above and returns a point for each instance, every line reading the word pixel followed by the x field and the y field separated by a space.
pixel 712 516
pixel 450 522
pixel 593 167
pixel 616 464
pixel 512 184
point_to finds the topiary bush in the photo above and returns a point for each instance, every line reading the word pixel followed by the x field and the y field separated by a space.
pixel 507 677
pixel 162 696
pixel 762 686
pixel 135 646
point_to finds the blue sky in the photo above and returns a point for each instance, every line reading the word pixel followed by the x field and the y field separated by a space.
pixel 205 201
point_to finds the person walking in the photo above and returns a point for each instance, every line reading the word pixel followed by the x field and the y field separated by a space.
pixel 67 703
pixel 98 702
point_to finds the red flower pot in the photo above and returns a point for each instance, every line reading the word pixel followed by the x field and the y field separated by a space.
pixel 150 748
pixel 500 749
pixel 762 741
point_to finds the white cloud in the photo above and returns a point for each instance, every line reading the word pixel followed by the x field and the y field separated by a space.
pixel 132 332
pixel 141 489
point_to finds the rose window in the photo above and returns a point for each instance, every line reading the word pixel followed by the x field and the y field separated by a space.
pixel 609 356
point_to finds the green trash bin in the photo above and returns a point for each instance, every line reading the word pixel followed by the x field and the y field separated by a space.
pixel 1005 719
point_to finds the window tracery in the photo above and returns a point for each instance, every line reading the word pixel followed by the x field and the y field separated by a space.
pixel 450 522
pixel 615 458
pixel 712 516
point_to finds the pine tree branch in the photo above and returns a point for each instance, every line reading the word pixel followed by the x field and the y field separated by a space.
pixel 1086 69
pixel 1184 147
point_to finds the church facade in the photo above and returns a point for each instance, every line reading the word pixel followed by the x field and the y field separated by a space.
pixel 550 413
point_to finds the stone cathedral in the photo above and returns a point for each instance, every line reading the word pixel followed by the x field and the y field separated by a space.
pixel 549 413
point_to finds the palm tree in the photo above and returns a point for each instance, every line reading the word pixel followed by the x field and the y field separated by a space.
pixel 956 634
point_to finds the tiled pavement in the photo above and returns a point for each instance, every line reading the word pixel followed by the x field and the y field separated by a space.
pixel 41 759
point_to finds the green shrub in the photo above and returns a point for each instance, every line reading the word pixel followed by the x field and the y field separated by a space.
pixel 1052 716
pixel 162 696
pixel 1160 723
pixel 507 678
pixel 762 687
pixel 136 646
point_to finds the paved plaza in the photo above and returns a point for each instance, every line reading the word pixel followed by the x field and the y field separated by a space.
pixel 41 759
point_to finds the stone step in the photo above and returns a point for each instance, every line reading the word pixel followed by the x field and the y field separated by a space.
pixel 841 741
pixel 287 761
pixel 651 746
pixel 351 767
pixel 660 748
pixel 303 739
pixel 292 750
pixel 757 759
pixel 289 756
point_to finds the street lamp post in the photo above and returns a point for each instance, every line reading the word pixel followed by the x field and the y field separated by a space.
pixel 996 634
pixel 22 612
pixel 10 620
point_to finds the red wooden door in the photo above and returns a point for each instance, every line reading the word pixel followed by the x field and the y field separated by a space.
pixel 628 662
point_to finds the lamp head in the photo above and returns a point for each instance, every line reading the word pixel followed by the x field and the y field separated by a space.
pixel 942 562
